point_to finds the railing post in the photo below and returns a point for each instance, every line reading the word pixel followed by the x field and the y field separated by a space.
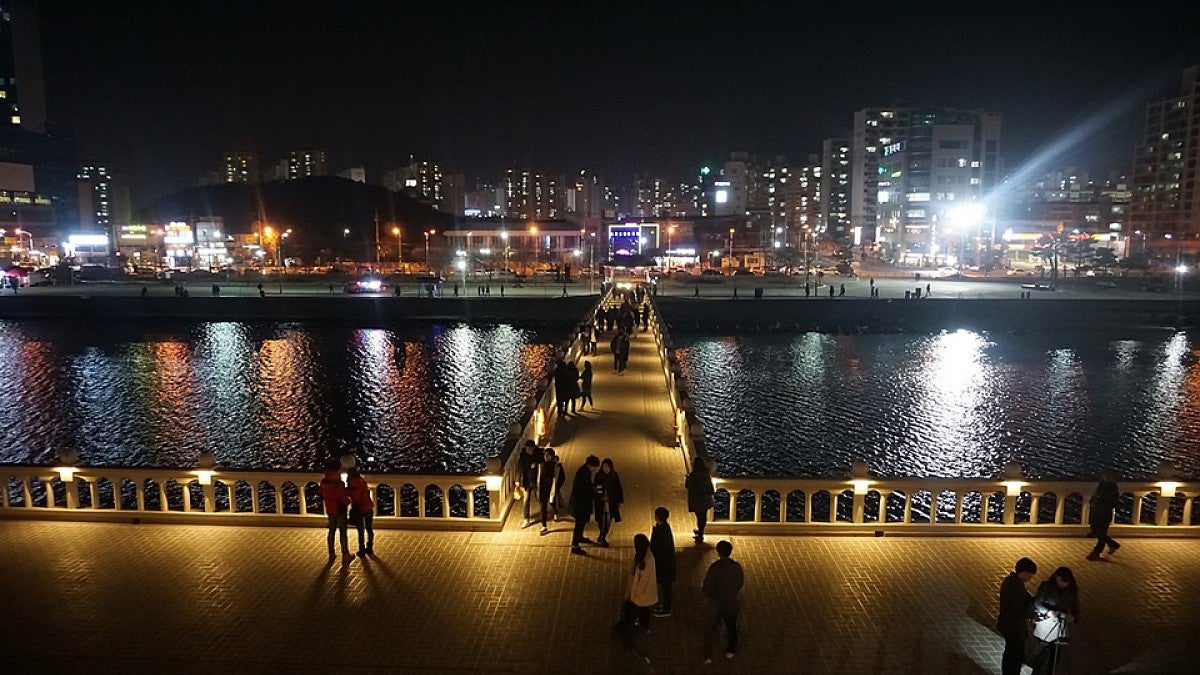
pixel 884 494
pixel 1162 509
pixel 1012 489
pixel 1035 501
pixel 67 461
pixel 1136 516
pixel 860 480
pixel 254 496
pixel 72 489
pixel 758 495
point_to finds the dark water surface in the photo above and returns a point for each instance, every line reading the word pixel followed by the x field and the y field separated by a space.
pixel 956 404
pixel 429 398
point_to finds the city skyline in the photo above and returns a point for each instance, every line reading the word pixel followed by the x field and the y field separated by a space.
pixel 618 90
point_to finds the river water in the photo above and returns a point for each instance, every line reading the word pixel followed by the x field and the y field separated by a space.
pixel 430 398
pixel 955 404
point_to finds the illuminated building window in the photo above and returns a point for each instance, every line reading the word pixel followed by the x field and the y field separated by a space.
pixel 16 119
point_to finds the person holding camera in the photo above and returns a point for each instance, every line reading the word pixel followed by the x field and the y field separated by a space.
pixel 1056 608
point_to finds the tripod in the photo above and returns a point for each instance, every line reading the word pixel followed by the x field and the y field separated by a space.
pixel 1051 631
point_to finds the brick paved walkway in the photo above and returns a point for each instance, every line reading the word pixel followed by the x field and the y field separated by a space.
pixel 82 597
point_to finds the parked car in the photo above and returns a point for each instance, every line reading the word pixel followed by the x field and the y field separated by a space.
pixel 367 285
pixel 742 272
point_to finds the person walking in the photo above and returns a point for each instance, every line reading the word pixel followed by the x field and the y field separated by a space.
pixel 662 545
pixel 550 479
pixel 1056 605
pixel 362 511
pixel 640 595
pixel 1103 504
pixel 700 493
pixel 1016 606
pixel 645 316
pixel 572 384
pixel 527 471
pixel 336 499
pixel 585 386
pixel 582 501
pixel 608 499
pixel 722 585
pixel 623 350
pixel 615 347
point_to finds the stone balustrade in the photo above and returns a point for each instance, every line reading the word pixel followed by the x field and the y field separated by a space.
pixel 945 506
pixel 214 495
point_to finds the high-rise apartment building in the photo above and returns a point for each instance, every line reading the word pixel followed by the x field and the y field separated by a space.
pixel 585 198
pixel 945 158
pixel 22 88
pixel 802 197
pixel 307 163
pixel 240 167
pixel 1166 193
pixel 836 187
pixel 421 179
pixel 874 129
pixel 532 195
pixel 95 198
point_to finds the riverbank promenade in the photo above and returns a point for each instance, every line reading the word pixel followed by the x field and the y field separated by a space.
pixel 126 598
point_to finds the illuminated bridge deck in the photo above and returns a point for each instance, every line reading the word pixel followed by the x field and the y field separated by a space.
pixel 83 597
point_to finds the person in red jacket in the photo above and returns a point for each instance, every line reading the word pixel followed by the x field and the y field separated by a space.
pixel 362 511
pixel 336 499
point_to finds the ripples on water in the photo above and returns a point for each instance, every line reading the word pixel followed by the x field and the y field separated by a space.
pixel 280 396
pixel 954 404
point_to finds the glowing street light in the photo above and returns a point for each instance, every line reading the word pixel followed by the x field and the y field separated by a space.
pixel 731 231
pixel 399 247
pixel 427 234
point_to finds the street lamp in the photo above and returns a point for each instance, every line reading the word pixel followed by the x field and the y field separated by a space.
pixel 965 217
pixel 399 248
pixel 536 253
pixel 427 234
pixel 504 237
pixel 670 232
pixel 731 231
pixel 279 248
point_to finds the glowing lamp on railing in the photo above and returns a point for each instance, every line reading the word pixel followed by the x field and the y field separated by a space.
pixel 1012 479
pixel 66 468
pixel 860 477
pixel 206 465
pixel 1168 479
pixel 493 482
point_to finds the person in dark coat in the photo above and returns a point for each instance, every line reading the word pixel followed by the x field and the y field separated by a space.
pixel 645 316
pixel 527 471
pixel 614 346
pixel 722 585
pixel 582 501
pixel 1016 608
pixel 1104 503
pixel 1056 605
pixel 572 383
pixel 662 545
pixel 608 499
pixel 623 351
pixel 700 495
pixel 550 479
pixel 585 386
pixel 563 386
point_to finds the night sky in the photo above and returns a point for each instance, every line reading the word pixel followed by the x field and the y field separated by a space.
pixel 159 90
